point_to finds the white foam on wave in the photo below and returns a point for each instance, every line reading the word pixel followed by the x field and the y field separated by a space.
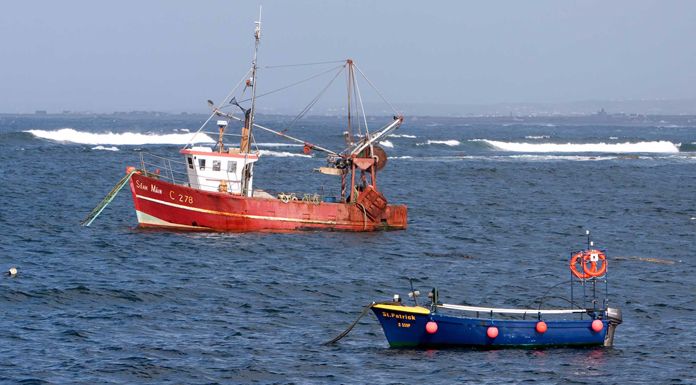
pixel 386 143
pixel 112 148
pixel 402 136
pixel 279 145
pixel 613 138
pixel 283 154
pixel 576 158
pixel 400 157
pixel 451 142
pixel 537 137
pixel 661 146
pixel 126 138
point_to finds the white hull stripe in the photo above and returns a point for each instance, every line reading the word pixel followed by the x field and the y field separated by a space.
pixel 147 219
pixel 228 214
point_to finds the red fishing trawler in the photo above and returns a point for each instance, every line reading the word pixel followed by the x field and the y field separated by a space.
pixel 217 191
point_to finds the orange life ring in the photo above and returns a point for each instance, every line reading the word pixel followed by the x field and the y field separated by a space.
pixel 594 256
pixel 591 257
pixel 578 257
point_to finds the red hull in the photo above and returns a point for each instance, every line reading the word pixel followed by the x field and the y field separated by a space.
pixel 166 205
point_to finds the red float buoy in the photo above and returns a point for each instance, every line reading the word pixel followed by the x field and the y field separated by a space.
pixel 431 327
pixel 492 332
pixel 597 326
pixel 541 327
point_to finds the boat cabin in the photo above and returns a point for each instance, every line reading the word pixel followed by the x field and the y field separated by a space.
pixel 210 170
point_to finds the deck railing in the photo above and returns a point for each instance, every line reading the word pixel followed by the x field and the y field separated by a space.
pixel 164 168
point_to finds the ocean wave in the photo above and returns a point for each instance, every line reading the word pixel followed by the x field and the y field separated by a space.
pixel 283 154
pixel 545 158
pixel 112 148
pixel 537 137
pixel 401 157
pixel 279 145
pixel 402 136
pixel 386 143
pixel 451 142
pixel 126 138
pixel 576 158
pixel 688 147
pixel 661 146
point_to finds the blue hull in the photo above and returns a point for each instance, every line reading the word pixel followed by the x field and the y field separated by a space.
pixel 407 328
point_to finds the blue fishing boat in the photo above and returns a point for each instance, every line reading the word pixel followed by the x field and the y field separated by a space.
pixel 589 323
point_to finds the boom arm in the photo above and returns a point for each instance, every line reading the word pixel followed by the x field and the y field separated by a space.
pixel 380 135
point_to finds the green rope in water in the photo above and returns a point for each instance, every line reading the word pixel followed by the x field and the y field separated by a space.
pixel 107 199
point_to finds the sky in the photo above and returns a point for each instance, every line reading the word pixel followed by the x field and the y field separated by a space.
pixel 172 56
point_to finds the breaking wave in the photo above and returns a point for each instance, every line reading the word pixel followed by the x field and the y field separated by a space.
pixel 387 144
pixel 537 137
pixel 661 146
pixel 451 142
pixel 283 154
pixel 279 144
pixel 112 148
pixel 402 136
pixel 400 157
pixel 126 138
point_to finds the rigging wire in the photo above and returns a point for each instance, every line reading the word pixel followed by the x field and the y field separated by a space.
pixel 303 64
pixel 217 108
pixel 314 101
pixel 355 97
pixel 376 90
pixel 293 84
pixel 362 108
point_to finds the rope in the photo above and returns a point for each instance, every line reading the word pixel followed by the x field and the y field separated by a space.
pixel 364 215
pixel 345 332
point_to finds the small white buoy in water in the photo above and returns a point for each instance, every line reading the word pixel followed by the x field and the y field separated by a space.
pixel 12 272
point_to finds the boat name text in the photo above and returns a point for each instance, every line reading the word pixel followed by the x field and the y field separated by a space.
pixel 152 187
pixel 398 316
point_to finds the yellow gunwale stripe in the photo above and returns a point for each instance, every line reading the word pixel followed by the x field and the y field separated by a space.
pixel 403 309
pixel 228 214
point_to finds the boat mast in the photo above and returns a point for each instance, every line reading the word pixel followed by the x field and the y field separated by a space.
pixel 349 132
pixel 245 145
pixel 257 38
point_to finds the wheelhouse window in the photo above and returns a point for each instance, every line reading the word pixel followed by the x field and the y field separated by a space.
pixel 232 166
pixel 190 162
pixel 216 165
pixel 201 164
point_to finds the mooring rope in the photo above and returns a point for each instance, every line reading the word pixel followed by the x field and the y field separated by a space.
pixel 345 332
pixel 364 215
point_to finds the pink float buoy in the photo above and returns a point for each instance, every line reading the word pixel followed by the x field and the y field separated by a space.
pixel 431 327
pixel 541 327
pixel 492 332
pixel 597 326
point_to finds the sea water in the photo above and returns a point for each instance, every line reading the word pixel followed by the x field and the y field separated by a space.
pixel 495 207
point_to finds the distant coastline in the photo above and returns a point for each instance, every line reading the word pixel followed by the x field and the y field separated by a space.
pixel 610 109
pixel 595 119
